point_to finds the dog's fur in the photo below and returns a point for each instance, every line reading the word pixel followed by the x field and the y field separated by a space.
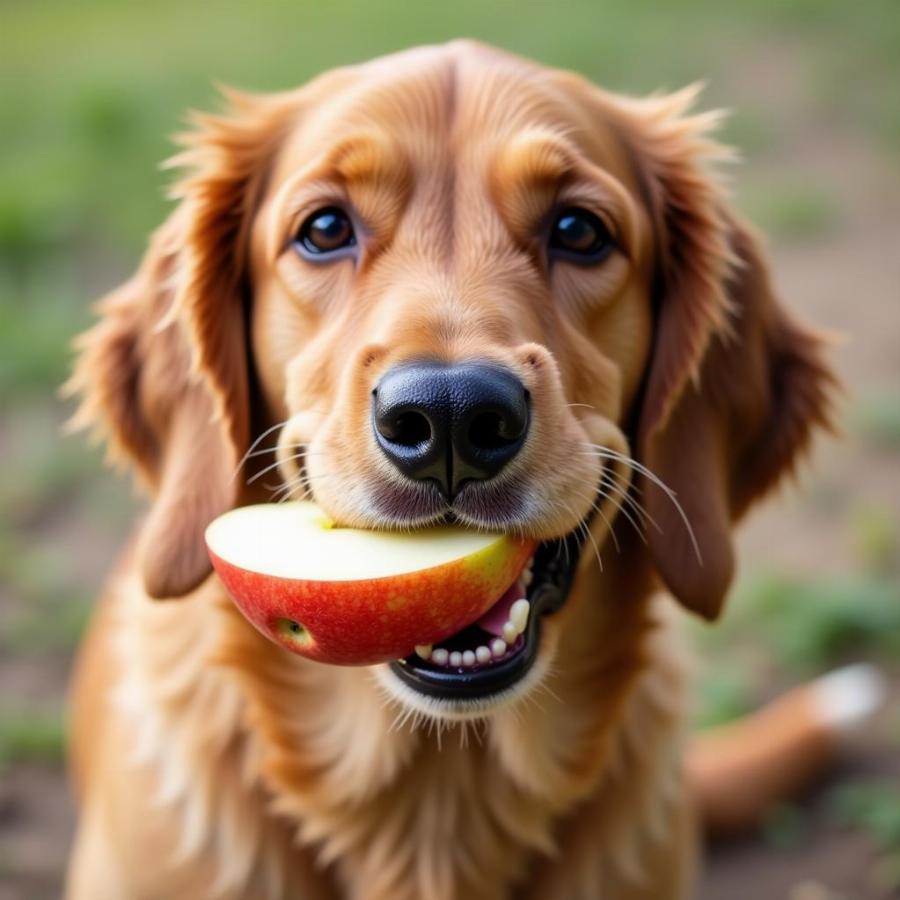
pixel 211 763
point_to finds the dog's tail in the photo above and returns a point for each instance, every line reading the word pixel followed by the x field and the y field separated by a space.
pixel 741 771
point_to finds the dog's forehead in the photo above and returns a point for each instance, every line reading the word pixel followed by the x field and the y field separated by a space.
pixel 461 101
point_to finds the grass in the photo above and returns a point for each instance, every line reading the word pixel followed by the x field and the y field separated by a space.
pixel 29 736
pixel 804 624
pixel 876 540
pixel 877 418
pixel 793 210
pixel 46 468
pixel 782 627
pixel 53 605
pixel 50 486
pixel 873 807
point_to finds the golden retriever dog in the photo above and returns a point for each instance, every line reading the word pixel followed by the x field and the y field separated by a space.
pixel 445 285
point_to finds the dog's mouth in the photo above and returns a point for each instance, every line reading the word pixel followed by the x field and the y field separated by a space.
pixel 493 653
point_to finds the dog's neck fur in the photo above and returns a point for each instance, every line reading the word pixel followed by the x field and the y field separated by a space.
pixel 396 808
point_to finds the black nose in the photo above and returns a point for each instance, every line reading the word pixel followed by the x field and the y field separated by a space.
pixel 450 424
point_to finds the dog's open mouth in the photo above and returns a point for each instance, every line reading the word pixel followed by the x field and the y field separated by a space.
pixel 498 649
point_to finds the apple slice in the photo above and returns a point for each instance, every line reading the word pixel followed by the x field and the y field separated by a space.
pixel 354 597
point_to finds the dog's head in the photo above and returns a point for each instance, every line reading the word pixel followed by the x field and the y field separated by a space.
pixel 456 284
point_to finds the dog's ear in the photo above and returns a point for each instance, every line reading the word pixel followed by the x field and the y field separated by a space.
pixel 163 374
pixel 735 385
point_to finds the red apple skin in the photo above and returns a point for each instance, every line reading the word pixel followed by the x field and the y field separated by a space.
pixel 364 622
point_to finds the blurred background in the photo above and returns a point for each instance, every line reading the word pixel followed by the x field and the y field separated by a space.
pixel 92 89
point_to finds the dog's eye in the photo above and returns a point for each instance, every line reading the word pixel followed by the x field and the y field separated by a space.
pixel 580 236
pixel 325 232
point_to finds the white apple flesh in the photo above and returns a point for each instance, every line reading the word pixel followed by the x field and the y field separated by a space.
pixel 353 597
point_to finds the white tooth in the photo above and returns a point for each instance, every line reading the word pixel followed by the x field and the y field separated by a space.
pixel 526 577
pixel 518 614
pixel 468 658
pixel 483 654
pixel 440 656
pixel 510 632
pixel 456 659
pixel 423 650
pixel 498 647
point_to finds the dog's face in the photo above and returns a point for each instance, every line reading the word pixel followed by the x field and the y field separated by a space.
pixel 442 213
pixel 470 288
pixel 451 305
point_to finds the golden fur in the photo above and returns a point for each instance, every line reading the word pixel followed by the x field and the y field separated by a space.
pixel 210 763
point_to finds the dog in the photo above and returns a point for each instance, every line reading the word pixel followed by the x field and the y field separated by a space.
pixel 449 235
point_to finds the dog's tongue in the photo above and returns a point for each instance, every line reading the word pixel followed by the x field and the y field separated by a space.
pixel 498 615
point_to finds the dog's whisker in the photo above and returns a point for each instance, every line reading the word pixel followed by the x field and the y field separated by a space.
pixel 273 465
pixel 622 505
pixel 608 479
pixel 301 479
pixel 625 500
pixel 607 453
pixel 265 450
pixel 254 445
pixel 587 531
pixel 639 529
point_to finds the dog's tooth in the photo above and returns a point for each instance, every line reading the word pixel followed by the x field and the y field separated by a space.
pixel 518 614
pixel 526 577
pixel 468 658
pixel 456 659
pixel 510 632
pixel 423 650
pixel 440 656
pixel 483 654
pixel 498 647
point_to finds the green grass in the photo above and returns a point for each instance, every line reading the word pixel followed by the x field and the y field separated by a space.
pixel 38 571
pixel 43 630
pixel 42 468
pixel 873 807
pixel 30 736
pixel 810 623
pixel 793 210
pixel 877 418
pixel 876 538
pixel 785 826
pixel 724 693
pixel 781 628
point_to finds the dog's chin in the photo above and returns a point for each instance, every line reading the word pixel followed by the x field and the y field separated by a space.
pixel 462 708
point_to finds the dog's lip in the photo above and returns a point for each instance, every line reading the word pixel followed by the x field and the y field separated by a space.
pixel 555 562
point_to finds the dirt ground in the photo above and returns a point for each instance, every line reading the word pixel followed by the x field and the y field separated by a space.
pixel 848 280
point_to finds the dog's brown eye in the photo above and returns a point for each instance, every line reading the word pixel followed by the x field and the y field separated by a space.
pixel 325 232
pixel 580 236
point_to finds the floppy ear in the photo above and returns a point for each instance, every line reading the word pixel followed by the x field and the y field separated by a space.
pixel 735 385
pixel 163 374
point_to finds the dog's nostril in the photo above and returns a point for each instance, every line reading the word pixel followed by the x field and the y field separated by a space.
pixel 409 429
pixel 491 431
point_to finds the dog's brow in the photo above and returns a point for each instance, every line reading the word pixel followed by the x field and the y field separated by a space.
pixel 537 157
pixel 365 157
pixel 530 170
